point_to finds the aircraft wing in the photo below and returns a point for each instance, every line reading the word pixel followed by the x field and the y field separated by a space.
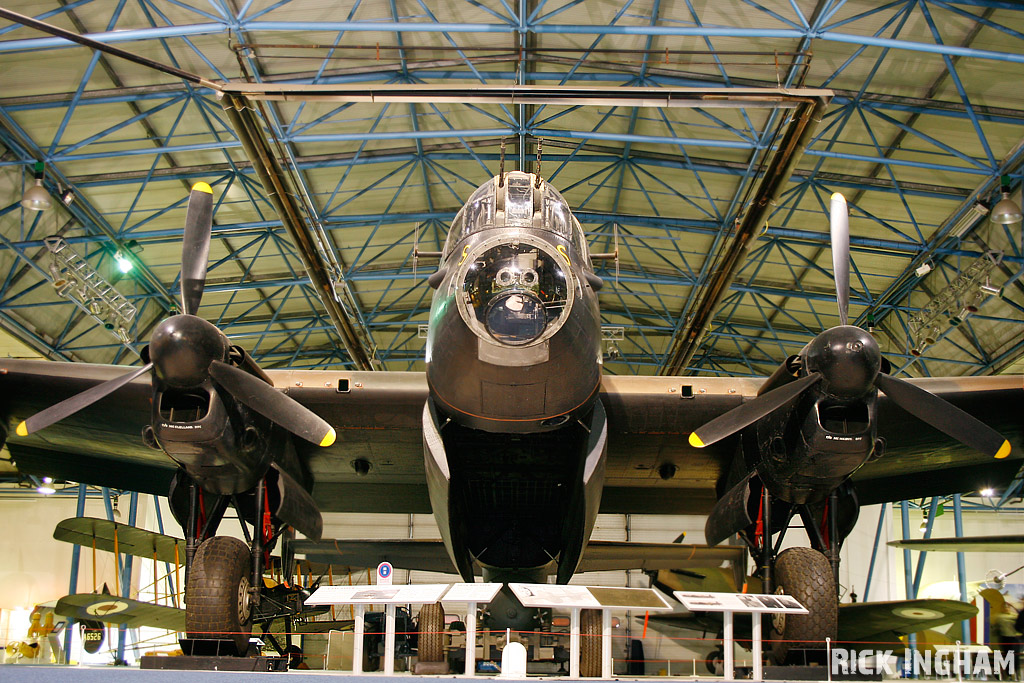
pixel 884 622
pixel 993 544
pixel 114 610
pixel 377 416
pixel 650 418
pixel 106 535
pixel 651 467
pixel 860 622
pixel 430 555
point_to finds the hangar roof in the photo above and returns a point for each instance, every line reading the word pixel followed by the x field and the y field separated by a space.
pixel 922 130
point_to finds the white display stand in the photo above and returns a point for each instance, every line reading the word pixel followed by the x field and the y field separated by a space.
pixel 472 594
pixel 577 598
pixel 730 603
pixel 389 596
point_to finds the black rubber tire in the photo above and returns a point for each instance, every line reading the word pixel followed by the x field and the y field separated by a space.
pixel 590 643
pixel 637 664
pixel 715 663
pixel 806 575
pixel 430 647
pixel 217 600
pixel 371 652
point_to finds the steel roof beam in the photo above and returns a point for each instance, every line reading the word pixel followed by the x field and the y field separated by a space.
pixel 283 198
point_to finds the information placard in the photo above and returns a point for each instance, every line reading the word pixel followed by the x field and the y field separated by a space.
pixel 629 598
pixel 472 592
pixel 703 601
pixel 378 595
pixel 551 595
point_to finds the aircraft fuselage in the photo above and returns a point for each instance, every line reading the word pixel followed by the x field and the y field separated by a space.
pixel 514 432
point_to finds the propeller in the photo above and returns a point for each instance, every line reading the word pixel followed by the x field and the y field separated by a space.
pixel 748 413
pixel 185 349
pixel 195 247
pixel 272 404
pixel 944 416
pixel 839 226
pixel 848 360
pixel 70 406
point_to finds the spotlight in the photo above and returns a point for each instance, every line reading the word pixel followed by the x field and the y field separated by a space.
pixel 988 288
pixel 67 196
pixel 36 198
pixel 57 276
pixel 974 301
pixel 924 525
pixel 123 264
pixel 923 269
pixel 65 287
pixel 613 351
pixel 932 335
pixel 45 487
pixel 987 493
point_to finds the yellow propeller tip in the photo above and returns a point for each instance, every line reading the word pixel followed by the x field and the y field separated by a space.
pixel 22 430
pixel 328 439
pixel 1003 451
pixel 695 440
pixel 202 187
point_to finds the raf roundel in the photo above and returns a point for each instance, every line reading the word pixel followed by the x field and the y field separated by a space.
pixel 384 571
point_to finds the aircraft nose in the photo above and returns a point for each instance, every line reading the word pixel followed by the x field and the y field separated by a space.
pixel 516 294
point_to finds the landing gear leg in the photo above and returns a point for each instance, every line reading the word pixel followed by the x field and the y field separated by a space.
pixel 767 551
pixel 833 535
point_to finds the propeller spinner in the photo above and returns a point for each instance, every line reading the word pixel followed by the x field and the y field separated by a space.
pixel 845 361
pixel 186 350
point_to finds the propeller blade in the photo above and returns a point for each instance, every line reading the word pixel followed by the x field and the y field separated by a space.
pixel 195 248
pixel 944 416
pixel 839 225
pixel 742 416
pixel 272 404
pixel 70 406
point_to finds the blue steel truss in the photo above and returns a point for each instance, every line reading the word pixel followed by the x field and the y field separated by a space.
pixel 926 122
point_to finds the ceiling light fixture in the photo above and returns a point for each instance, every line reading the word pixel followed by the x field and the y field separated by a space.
pixel 968 220
pixel 1006 210
pixel 36 198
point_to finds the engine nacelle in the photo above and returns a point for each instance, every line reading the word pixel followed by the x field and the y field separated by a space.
pixel 803 459
pixel 222 445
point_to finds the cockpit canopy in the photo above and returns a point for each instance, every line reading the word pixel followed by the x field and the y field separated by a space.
pixel 517 203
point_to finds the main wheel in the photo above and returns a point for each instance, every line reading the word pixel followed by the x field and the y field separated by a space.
pixel 715 663
pixel 430 646
pixel 806 575
pixel 217 599
pixel 590 643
